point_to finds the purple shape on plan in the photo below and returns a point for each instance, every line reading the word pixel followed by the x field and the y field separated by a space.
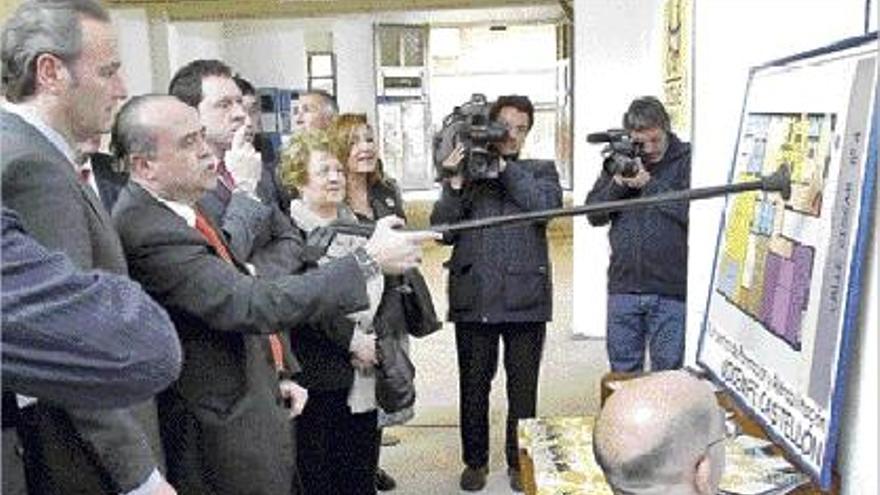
pixel 779 318
pixel 771 274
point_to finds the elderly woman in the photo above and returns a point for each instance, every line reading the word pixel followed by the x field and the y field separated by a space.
pixel 336 433
pixel 371 196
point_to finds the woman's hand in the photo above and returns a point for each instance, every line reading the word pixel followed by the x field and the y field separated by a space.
pixel 363 350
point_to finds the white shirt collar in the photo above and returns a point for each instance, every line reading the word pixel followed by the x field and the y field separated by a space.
pixel 183 210
pixel 93 181
pixel 30 115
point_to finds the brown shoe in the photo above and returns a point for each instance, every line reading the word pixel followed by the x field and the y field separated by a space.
pixel 473 479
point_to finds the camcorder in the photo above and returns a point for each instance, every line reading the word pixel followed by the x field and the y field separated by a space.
pixel 469 124
pixel 621 154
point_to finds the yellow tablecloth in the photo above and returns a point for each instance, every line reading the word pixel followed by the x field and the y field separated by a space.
pixel 561 450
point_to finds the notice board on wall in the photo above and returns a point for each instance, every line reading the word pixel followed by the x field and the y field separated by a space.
pixel 786 278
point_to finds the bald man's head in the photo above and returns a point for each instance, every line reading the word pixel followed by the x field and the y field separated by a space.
pixel 163 142
pixel 660 434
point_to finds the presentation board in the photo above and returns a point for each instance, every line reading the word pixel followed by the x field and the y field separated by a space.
pixel 784 295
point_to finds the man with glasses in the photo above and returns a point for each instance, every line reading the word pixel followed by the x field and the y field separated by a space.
pixel 663 433
pixel 647 274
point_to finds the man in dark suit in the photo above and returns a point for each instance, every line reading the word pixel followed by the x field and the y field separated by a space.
pixel 224 425
pixel 100 171
pixel 121 347
pixel 62 82
pixel 108 178
pixel 79 339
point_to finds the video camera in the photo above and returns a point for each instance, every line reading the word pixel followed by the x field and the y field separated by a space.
pixel 469 124
pixel 622 155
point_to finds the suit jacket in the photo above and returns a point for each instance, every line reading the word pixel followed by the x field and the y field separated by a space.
pixel 109 180
pixel 269 188
pixel 71 450
pixel 80 339
pixel 223 427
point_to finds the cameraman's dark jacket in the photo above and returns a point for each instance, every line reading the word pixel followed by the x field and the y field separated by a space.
pixel 501 274
pixel 648 245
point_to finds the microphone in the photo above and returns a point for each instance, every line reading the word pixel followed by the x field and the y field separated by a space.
pixel 779 181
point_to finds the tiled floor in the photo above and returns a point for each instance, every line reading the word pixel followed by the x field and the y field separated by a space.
pixel 427 460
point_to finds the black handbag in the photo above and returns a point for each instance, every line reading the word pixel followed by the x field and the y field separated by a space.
pixel 395 375
pixel 418 307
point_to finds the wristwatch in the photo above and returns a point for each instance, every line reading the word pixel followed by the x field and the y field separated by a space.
pixel 367 264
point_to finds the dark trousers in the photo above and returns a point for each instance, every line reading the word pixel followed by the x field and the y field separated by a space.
pixel 477 346
pixel 336 450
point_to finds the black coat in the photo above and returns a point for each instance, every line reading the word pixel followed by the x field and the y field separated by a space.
pixel 649 247
pixel 501 274
pixel 326 362
pixel 385 199
pixel 223 428
pixel 109 180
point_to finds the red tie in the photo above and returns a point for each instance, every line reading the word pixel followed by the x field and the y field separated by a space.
pixel 225 177
pixel 210 235
pixel 84 175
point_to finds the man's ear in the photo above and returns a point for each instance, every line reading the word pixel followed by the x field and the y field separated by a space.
pixel 703 475
pixel 140 165
pixel 50 73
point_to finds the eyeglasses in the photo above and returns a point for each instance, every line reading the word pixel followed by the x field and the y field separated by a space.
pixel 731 428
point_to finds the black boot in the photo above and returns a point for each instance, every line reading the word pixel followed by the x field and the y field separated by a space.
pixel 384 481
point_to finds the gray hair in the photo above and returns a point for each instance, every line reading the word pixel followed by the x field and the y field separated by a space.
pixel 677 442
pixel 646 113
pixel 38 27
pixel 130 135
pixel 330 105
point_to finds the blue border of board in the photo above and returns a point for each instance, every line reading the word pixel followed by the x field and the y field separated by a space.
pixel 860 247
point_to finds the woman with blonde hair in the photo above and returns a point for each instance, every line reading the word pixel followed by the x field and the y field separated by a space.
pixel 336 433
pixel 372 195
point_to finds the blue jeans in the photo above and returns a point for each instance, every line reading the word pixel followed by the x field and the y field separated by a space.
pixel 635 320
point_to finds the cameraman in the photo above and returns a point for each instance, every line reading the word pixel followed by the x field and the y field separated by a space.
pixel 647 275
pixel 499 286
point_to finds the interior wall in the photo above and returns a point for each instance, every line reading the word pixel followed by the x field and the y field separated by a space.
pixel 355 65
pixel 858 451
pixel 133 28
pixel 614 46
pixel 268 53
pixel 188 41
pixel 616 59
pixel 272 52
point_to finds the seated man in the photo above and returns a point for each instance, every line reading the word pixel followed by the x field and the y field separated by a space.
pixel 662 433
